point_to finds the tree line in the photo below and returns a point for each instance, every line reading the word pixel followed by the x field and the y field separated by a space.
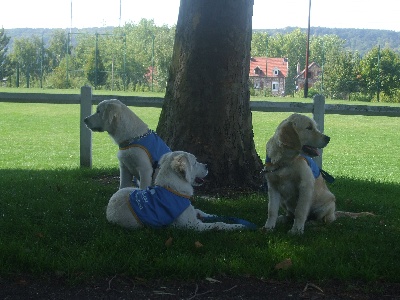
pixel 345 74
pixel 136 57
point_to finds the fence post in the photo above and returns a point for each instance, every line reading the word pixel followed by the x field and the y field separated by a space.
pixel 318 115
pixel 85 133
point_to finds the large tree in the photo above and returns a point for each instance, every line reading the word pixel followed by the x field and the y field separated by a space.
pixel 384 74
pixel 5 63
pixel 206 109
pixel 27 53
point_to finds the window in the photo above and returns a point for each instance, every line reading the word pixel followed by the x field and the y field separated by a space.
pixel 276 72
pixel 275 86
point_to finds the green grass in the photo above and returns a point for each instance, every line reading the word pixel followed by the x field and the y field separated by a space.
pixel 52 213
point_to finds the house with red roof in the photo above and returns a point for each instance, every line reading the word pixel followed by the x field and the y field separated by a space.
pixel 314 74
pixel 269 73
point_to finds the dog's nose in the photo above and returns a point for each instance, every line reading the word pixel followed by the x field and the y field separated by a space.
pixel 327 139
pixel 85 120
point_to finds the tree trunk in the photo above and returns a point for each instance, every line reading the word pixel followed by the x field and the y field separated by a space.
pixel 207 110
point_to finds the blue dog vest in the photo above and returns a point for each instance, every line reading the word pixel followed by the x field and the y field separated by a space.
pixel 154 146
pixel 311 163
pixel 157 206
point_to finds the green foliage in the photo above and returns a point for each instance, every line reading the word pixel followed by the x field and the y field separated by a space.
pixel 127 58
pixel 57 79
pixel 57 49
pixel 5 63
pixel 126 55
pixel 384 74
pixel 27 55
pixel 94 69
pixel 340 78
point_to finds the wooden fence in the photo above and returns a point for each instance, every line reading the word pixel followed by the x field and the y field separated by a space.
pixel 318 108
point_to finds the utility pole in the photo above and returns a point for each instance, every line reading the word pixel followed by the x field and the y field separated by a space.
pixel 323 63
pixel 266 60
pixel 41 63
pixel 152 62
pixel 70 27
pixel 307 53
pixel 120 10
pixel 96 61
pixel 378 81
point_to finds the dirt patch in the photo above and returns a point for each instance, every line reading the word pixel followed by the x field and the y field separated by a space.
pixel 121 287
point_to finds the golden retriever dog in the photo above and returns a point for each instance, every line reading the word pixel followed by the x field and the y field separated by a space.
pixel 168 202
pixel 140 148
pixel 294 181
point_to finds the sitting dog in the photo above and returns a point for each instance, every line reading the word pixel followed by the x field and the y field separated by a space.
pixel 140 148
pixel 294 181
pixel 168 202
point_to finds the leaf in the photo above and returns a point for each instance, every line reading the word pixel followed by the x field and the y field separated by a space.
pixel 312 285
pixel 168 242
pixel 212 280
pixel 284 265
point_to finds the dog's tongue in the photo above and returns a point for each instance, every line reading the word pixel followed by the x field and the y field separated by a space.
pixel 311 151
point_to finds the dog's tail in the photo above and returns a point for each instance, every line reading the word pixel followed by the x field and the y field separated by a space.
pixel 229 220
pixel 340 214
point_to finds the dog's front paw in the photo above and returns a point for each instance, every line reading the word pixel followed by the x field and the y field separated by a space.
pixel 268 228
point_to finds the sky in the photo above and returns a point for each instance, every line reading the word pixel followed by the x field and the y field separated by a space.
pixel 267 14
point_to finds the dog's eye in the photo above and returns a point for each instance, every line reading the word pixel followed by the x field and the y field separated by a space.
pixel 309 127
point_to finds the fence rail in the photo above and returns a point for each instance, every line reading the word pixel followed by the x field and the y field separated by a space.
pixel 267 106
pixel 318 108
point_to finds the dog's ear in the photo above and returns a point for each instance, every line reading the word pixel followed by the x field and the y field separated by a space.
pixel 111 112
pixel 274 152
pixel 180 164
pixel 288 136
pixel 164 158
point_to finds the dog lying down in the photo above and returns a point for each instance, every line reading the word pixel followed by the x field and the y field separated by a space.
pixel 294 180
pixel 140 149
pixel 168 202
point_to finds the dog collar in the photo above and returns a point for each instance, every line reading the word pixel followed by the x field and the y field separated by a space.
pixel 175 192
pixel 127 143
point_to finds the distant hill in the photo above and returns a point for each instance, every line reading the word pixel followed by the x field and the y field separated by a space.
pixel 17 33
pixel 361 40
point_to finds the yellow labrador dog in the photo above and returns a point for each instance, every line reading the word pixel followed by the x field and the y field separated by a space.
pixel 294 181
pixel 140 148
pixel 168 202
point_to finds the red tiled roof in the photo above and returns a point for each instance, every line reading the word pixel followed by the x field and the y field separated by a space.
pixel 267 66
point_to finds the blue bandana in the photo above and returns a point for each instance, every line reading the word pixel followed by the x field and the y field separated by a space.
pixel 313 165
pixel 154 146
pixel 156 206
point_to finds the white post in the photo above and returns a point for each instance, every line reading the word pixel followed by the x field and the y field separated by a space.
pixel 318 115
pixel 85 133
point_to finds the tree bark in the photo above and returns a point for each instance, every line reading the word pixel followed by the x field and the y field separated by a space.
pixel 206 109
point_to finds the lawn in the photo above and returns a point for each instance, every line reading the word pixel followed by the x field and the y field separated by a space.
pixel 52 213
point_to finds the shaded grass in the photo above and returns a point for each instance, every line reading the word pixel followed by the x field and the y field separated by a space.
pixel 52 214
